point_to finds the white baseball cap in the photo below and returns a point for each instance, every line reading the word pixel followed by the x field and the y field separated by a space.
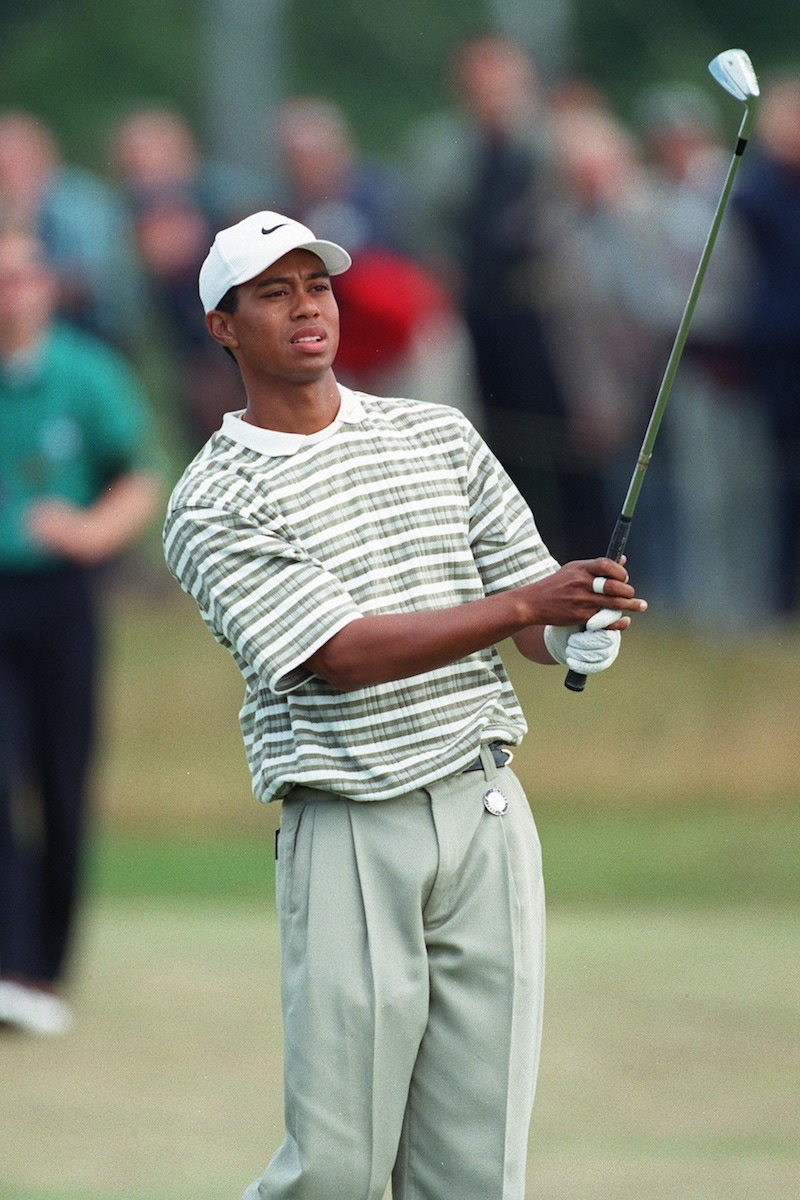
pixel 246 249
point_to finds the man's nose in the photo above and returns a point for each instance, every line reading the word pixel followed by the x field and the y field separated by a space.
pixel 304 303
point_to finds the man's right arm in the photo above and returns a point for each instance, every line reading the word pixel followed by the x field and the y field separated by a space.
pixel 378 649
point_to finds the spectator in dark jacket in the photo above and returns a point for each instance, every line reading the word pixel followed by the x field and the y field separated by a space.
pixel 768 201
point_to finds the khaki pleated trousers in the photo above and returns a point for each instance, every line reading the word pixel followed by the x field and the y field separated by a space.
pixel 412 973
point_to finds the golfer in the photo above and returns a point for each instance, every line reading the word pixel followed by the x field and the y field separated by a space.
pixel 361 557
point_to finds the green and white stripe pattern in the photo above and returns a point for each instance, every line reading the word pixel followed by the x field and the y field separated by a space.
pixel 398 507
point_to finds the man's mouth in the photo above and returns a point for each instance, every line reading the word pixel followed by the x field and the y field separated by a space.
pixel 313 336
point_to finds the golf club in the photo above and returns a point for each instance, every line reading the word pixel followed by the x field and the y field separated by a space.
pixel 732 70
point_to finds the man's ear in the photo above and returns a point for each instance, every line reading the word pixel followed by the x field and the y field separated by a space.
pixel 218 324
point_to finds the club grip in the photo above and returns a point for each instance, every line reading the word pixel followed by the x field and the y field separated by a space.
pixel 574 681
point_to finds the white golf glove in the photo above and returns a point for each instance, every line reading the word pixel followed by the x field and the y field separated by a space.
pixel 586 651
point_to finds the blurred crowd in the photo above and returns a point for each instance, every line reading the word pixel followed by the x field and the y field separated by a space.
pixel 526 257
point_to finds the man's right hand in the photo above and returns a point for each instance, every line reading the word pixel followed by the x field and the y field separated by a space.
pixel 569 599
pixel 570 596
pixel 378 648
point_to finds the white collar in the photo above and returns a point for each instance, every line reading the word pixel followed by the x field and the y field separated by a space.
pixel 282 445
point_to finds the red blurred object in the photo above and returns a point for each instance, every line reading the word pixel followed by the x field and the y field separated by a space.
pixel 382 300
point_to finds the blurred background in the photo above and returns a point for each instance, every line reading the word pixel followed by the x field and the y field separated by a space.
pixel 526 189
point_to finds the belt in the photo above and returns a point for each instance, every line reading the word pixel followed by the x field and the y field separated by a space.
pixel 500 755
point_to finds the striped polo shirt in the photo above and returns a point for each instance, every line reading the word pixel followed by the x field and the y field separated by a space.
pixel 284 539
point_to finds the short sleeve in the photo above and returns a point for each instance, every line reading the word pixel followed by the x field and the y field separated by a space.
pixel 264 598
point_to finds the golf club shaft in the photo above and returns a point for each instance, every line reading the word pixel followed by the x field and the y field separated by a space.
pixel 574 680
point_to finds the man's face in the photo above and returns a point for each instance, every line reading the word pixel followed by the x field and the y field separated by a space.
pixel 286 324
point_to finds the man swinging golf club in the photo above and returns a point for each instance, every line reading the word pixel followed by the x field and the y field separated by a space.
pixel 361 557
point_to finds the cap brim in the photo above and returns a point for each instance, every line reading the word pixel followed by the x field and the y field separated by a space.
pixel 336 259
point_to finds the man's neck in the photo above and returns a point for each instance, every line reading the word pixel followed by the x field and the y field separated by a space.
pixel 294 408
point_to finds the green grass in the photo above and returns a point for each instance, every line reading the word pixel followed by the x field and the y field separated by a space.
pixel 125 867
pixel 686 855
pixel 16 1193
pixel 669 1063
pixel 683 855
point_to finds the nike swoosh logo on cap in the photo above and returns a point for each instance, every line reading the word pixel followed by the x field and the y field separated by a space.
pixel 274 227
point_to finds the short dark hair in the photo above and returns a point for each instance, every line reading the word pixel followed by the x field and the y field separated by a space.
pixel 228 304
pixel 229 301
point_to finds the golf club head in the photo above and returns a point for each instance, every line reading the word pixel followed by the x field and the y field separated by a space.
pixel 733 70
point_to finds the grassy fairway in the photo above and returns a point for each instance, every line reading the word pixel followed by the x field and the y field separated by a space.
pixel 666 798
pixel 670 1065
pixel 670 1062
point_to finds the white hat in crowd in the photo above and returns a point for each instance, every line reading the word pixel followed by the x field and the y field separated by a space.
pixel 246 249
